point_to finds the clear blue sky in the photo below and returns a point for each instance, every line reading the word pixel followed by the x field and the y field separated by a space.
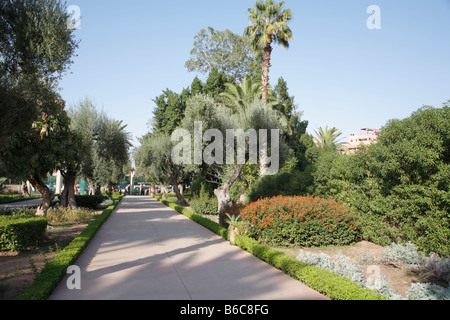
pixel 341 73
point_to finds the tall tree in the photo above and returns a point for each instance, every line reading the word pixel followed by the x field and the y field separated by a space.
pixel 154 159
pixel 169 111
pixel 112 146
pixel 253 116
pixel 225 51
pixel 32 154
pixel 269 23
pixel 84 122
pixel 36 48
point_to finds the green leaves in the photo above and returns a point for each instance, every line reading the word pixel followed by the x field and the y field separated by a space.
pixel 401 184
pixel 269 23
pixel 225 51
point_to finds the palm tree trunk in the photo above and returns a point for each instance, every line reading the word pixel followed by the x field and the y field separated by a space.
pixel 265 72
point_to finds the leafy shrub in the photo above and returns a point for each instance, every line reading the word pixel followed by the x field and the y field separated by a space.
pixel 301 221
pixel 286 184
pixel 436 269
pixel 59 214
pixel 21 232
pixel 228 212
pixel 28 211
pixel 403 255
pixel 401 184
pixel 171 197
pixel 89 201
pixel 428 291
pixel 343 266
pixel 204 206
pixel 430 268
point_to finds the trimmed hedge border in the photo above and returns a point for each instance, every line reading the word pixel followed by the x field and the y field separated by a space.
pixel 52 274
pixel 323 281
pixel 21 232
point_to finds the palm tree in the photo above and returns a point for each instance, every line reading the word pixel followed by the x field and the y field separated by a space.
pixel 269 23
pixel 239 95
pixel 242 94
pixel 329 137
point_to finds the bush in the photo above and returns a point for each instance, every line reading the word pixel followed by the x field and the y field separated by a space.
pixel 301 221
pixel 59 214
pixel 403 255
pixel 285 184
pixel 204 206
pixel 171 197
pixel 21 232
pixel 401 184
pixel 232 210
pixel 27 211
pixel 89 201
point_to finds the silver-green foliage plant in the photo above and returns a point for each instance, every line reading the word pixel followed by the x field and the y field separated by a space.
pixel 403 255
pixel 344 267
pixel 396 253
pixel 341 265
pixel 428 291
pixel 436 269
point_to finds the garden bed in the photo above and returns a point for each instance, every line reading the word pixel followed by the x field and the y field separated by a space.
pixel 400 278
pixel 19 269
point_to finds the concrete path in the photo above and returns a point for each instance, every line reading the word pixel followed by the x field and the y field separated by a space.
pixel 25 203
pixel 147 251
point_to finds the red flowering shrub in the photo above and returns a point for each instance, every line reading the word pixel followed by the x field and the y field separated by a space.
pixel 301 221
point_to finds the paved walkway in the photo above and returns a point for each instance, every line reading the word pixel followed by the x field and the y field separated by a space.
pixel 25 203
pixel 147 251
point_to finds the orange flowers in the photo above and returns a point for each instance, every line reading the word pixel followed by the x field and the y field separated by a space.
pixel 323 221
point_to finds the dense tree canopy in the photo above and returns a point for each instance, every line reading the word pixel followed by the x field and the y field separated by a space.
pixel 36 48
pixel 224 51
pixel 400 184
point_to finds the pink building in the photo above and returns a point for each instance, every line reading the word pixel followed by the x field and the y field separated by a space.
pixel 366 136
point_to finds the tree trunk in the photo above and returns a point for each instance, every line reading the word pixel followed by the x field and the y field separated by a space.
pixel 223 193
pixel 47 194
pixel 265 72
pixel 68 195
pixel 245 186
pixel 180 199
pixel 263 159
pixel 110 187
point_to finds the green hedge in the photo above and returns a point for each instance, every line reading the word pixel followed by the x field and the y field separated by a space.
pixel 323 281
pixel 56 269
pixel 21 232
pixel 89 201
pixel 204 206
